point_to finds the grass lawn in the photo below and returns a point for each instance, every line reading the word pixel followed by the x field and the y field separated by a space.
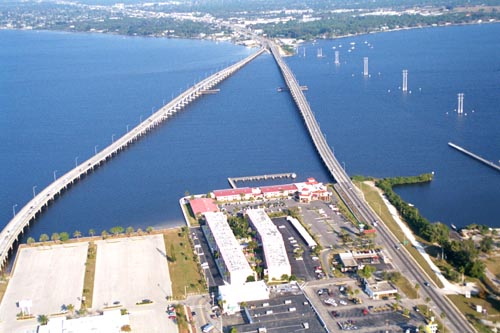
pixel 467 306
pixel 406 287
pixel 493 264
pixel 378 205
pixel 184 269
pixel 3 286
pixel 88 280
pixel 193 221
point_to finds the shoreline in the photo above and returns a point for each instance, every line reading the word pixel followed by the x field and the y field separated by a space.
pixel 449 287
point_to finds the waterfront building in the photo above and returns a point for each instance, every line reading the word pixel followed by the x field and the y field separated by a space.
pixel 203 205
pixel 227 252
pixel 312 190
pixel 276 259
pixel 237 194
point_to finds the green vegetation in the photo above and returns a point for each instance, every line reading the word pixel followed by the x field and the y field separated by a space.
pixel 182 321
pixel 240 227
pixel 193 221
pixel 185 271
pixel 467 306
pixel 405 287
pixel 88 280
pixel 375 201
pixel 343 208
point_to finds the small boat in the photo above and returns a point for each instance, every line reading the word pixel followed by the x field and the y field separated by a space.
pixel 454 227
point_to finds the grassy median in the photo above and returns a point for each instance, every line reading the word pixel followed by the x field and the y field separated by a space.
pixel 375 201
pixel 184 269
pixel 88 281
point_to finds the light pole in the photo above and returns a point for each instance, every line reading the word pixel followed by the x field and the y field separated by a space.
pixel 95 149
pixel 34 194
pixel 55 171
pixel 343 163
pixel 112 138
pixel 140 119
pixel 76 161
pixel 127 128
pixel 14 210
pixel 152 110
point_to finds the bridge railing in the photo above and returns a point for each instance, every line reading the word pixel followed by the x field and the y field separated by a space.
pixel 29 211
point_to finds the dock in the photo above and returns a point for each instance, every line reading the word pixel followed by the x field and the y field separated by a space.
pixel 232 181
pixel 474 156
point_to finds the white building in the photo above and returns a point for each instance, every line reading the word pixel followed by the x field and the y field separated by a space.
pixel 231 261
pixel 109 322
pixel 232 296
pixel 272 242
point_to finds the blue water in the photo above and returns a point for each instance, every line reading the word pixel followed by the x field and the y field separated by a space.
pixel 63 94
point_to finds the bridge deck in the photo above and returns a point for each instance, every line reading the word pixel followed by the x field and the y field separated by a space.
pixel 34 207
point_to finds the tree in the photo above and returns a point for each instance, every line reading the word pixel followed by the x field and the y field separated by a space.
pixel 104 234
pixel 30 240
pixel 486 244
pixel 63 236
pixel 398 297
pixel 149 229
pixel 233 330
pixel 70 308
pixel 251 278
pixel 77 234
pixel 55 237
pixel 116 230
pixel 139 231
pixel 129 230
pixel 406 312
pixel 417 288
pixel 44 237
pixel 43 319
pixel 126 328
pixel 91 232
pixel 367 271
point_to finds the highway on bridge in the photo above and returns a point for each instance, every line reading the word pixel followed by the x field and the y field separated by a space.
pixel 360 208
pixel 35 206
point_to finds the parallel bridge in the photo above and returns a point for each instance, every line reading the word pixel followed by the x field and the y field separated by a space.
pixel 35 206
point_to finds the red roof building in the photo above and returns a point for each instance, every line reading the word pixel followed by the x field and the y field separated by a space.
pixel 203 205
pixel 278 191
pixel 233 194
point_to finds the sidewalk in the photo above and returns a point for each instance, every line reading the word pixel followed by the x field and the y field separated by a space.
pixel 449 288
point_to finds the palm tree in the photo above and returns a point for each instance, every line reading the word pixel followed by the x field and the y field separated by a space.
pixel 30 240
pixel 43 319
pixel 139 231
pixel 44 237
pixel 104 234
pixel 91 232
pixel 55 237
pixel 129 230
pixel 70 308
pixel 149 229
pixel 77 234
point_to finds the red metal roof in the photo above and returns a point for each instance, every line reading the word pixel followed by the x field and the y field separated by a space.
pixel 203 205
pixel 232 191
pixel 278 188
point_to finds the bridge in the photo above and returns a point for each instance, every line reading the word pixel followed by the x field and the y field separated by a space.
pixel 16 226
pixel 360 208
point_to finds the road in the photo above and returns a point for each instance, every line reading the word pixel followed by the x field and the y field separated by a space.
pixel 360 208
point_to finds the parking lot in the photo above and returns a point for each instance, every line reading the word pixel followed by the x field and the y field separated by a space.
pixel 49 276
pixel 131 269
pixel 342 314
pixel 288 310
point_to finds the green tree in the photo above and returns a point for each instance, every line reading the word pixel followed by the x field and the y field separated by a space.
pixel 44 237
pixel 139 231
pixel 91 232
pixel 417 288
pixel 77 234
pixel 30 240
pixel 104 234
pixel 233 330
pixel 486 244
pixel 129 230
pixel 116 230
pixel 250 278
pixel 63 236
pixel 406 312
pixel 55 237
pixel 149 229
pixel 367 271
pixel 43 319
pixel 70 308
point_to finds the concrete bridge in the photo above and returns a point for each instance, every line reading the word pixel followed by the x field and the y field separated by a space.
pixel 10 234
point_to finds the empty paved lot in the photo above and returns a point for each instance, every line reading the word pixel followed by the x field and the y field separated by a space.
pixel 129 270
pixel 48 275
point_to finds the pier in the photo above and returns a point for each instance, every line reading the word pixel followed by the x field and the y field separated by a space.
pixel 474 156
pixel 10 234
pixel 232 181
